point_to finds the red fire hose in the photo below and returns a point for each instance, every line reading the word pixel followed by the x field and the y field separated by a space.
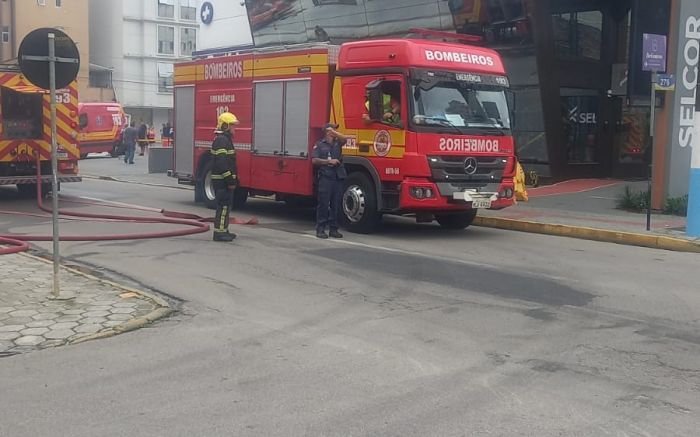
pixel 194 224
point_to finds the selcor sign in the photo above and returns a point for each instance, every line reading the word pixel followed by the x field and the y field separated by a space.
pixel 464 58
pixel 689 81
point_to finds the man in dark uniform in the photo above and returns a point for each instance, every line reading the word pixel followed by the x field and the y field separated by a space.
pixel 224 175
pixel 327 157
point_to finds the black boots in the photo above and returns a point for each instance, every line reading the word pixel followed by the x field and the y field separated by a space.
pixel 224 236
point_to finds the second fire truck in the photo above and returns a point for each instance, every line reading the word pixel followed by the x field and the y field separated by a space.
pixel 448 153
pixel 25 133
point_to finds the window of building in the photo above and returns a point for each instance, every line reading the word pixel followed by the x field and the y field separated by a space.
pixel 578 35
pixel 188 41
pixel 58 3
pixel 165 77
pixel 5 34
pixel 188 10
pixel 166 8
pixel 41 2
pixel 166 40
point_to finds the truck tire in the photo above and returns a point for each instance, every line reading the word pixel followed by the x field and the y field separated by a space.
pixel 204 189
pixel 359 204
pixel 29 190
pixel 115 151
pixel 460 220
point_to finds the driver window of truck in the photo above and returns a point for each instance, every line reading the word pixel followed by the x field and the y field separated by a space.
pixel 383 102
pixel 82 121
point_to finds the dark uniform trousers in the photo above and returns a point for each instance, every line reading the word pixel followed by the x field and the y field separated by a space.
pixel 329 202
pixel 224 203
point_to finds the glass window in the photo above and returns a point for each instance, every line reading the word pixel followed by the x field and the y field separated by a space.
pixel 166 8
pixel 5 34
pixel 188 10
pixel 58 3
pixel 579 112
pixel 578 35
pixel 166 40
pixel 453 105
pixel 188 41
pixel 165 77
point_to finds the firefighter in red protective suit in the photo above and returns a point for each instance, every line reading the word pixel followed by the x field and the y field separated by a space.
pixel 224 174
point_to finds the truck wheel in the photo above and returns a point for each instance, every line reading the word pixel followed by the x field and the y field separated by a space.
pixel 115 151
pixel 360 204
pixel 29 190
pixel 240 196
pixel 206 193
pixel 204 188
pixel 460 220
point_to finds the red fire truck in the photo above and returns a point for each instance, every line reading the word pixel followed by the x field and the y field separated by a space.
pixel 449 153
pixel 25 133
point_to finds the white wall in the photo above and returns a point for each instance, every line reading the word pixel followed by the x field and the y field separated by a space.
pixel 230 26
pixel 126 39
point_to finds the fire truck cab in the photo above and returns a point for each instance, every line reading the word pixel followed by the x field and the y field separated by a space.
pixel 428 126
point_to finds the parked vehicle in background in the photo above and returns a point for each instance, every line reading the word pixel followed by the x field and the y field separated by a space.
pixel 25 133
pixel 101 126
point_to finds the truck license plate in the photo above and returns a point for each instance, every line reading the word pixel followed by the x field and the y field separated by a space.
pixel 481 203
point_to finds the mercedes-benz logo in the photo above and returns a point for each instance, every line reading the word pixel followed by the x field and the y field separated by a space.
pixel 470 166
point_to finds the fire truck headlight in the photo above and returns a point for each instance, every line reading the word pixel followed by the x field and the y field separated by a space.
pixel 422 192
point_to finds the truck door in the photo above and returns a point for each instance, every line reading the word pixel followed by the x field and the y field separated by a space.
pixel 280 160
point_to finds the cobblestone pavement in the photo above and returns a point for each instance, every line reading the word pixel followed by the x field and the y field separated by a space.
pixel 30 319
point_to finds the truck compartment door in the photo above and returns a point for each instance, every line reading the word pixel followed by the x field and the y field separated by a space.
pixel 280 161
pixel 184 130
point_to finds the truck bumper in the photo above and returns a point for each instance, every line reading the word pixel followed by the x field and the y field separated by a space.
pixel 423 195
pixel 45 179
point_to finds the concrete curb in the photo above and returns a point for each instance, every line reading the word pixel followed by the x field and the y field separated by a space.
pixel 163 308
pixel 126 181
pixel 619 237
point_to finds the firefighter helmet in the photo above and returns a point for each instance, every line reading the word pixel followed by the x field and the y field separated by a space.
pixel 225 121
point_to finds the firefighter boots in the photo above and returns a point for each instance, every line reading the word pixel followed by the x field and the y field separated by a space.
pixel 224 236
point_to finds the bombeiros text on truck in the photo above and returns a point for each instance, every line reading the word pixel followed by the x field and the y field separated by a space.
pixel 428 125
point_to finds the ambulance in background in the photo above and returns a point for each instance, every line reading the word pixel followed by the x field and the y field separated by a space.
pixel 101 127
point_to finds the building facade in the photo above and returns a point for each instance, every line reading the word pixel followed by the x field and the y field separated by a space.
pixel 582 101
pixel 19 17
pixel 140 40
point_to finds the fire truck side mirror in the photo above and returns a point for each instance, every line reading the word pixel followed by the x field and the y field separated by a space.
pixel 512 104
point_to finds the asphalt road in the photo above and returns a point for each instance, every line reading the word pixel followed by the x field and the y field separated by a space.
pixel 414 331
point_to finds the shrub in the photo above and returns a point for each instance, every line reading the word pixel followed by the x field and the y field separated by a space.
pixel 677 206
pixel 632 200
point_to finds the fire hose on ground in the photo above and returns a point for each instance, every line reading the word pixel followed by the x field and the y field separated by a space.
pixel 194 224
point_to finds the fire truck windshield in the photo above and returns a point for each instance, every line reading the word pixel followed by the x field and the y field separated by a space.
pixel 460 106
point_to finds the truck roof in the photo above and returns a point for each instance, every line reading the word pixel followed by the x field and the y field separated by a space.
pixel 404 53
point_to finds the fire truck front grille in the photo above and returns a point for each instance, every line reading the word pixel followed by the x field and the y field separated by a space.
pixel 472 171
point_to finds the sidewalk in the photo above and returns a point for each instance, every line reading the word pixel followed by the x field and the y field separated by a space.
pixel 587 209
pixel 31 320
pixel 98 166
